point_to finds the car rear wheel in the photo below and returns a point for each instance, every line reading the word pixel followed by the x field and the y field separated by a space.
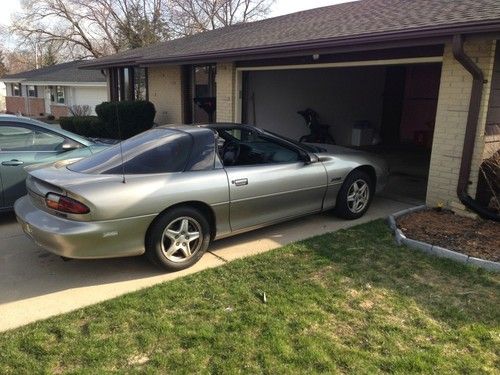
pixel 178 239
pixel 355 195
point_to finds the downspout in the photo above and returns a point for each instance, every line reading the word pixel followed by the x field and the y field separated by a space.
pixel 470 129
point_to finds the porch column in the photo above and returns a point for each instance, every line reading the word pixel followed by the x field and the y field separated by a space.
pixel 225 92
pixel 451 119
pixel 165 92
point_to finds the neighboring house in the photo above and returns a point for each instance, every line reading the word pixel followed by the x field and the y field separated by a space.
pixel 403 70
pixel 3 92
pixel 52 90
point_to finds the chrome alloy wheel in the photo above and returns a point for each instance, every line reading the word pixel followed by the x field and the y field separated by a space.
pixel 358 196
pixel 181 239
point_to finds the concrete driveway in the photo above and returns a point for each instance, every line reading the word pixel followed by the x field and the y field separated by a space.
pixel 35 284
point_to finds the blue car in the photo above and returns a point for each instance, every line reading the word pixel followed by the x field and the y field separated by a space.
pixel 24 142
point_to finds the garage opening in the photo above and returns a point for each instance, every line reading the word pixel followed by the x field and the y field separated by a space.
pixel 387 110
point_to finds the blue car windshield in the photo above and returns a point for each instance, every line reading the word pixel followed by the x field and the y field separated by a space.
pixel 155 151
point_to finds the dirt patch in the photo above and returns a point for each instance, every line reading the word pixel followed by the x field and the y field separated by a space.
pixel 477 238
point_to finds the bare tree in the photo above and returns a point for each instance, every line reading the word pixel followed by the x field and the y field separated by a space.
pixel 189 17
pixel 92 28
pixel 3 67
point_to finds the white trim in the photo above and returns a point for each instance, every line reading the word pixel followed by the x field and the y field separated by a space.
pixel 415 60
pixel 77 84
pixel 54 83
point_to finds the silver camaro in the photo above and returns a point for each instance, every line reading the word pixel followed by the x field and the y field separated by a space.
pixel 170 191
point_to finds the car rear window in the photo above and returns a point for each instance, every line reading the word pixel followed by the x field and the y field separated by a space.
pixel 155 151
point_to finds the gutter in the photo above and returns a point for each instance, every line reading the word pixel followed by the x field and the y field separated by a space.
pixel 471 129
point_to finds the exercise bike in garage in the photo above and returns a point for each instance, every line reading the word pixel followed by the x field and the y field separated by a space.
pixel 319 133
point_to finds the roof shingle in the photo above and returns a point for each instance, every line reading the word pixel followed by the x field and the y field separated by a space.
pixel 358 18
pixel 65 72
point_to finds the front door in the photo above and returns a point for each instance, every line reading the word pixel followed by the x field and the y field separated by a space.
pixel 270 193
pixel 269 181
pixel 204 94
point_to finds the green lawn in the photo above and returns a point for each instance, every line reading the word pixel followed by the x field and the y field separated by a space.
pixel 345 302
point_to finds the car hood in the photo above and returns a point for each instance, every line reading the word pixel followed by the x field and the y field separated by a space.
pixel 345 153
pixel 337 150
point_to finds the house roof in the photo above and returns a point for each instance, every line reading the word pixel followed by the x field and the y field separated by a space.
pixel 335 25
pixel 65 72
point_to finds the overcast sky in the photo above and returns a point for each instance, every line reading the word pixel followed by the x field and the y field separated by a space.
pixel 280 7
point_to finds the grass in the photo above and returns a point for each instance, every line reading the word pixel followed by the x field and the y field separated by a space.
pixel 351 302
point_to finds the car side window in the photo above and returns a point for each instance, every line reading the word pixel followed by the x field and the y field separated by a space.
pixel 245 147
pixel 21 138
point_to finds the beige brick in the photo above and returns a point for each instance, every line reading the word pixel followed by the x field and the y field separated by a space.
pixel 451 120
pixel 165 93
pixel 225 92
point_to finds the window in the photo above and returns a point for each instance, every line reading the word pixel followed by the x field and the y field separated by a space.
pixel 16 89
pixel 245 147
pixel 57 94
pixel 140 84
pixel 128 83
pixel 32 91
pixel 60 94
pixel 20 138
pixel 204 93
pixel 155 151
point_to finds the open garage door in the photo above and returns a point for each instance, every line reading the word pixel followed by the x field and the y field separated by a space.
pixel 385 109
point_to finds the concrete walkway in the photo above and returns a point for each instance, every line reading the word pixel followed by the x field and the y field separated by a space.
pixel 35 284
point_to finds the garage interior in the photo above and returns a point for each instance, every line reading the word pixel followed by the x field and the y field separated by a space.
pixel 389 110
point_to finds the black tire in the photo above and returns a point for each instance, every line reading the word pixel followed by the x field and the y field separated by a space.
pixel 158 244
pixel 344 207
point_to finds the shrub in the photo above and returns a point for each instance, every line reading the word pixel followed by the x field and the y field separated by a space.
pixel 488 189
pixel 134 117
pixel 88 126
pixel 80 110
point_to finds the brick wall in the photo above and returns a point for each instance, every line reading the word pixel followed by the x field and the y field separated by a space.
pixel 165 93
pixel 59 110
pixel 15 104
pixel 225 92
pixel 451 119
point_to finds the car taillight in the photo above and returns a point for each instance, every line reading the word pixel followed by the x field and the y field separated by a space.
pixel 65 204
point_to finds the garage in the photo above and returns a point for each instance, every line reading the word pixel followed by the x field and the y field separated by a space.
pixel 385 107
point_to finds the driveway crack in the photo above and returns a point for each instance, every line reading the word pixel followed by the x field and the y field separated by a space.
pixel 217 256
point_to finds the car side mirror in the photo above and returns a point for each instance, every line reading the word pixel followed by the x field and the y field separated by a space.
pixel 310 158
pixel 69 145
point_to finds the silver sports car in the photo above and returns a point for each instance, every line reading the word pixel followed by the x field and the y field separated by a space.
pixel 170 191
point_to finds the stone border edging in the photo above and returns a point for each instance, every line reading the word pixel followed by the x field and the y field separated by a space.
pixel 436 250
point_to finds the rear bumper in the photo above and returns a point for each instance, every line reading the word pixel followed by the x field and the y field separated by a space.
pixel 82 240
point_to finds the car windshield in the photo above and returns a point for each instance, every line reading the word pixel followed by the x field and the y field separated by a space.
pixel 304 146
pixel 154 151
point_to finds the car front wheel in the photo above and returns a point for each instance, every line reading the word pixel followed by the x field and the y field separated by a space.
pixel 178 239
pixel 355 195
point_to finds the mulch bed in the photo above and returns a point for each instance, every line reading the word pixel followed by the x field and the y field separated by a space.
pixel 477 238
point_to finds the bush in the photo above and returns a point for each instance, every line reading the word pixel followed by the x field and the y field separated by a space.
pixel 88 126
pixel 134 117
pixel 80 110
pixel 488 188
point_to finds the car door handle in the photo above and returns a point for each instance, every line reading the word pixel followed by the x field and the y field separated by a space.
pixel 240 182
pixel 12 163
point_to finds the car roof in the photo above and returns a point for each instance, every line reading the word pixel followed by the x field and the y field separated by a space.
pixel 52 128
